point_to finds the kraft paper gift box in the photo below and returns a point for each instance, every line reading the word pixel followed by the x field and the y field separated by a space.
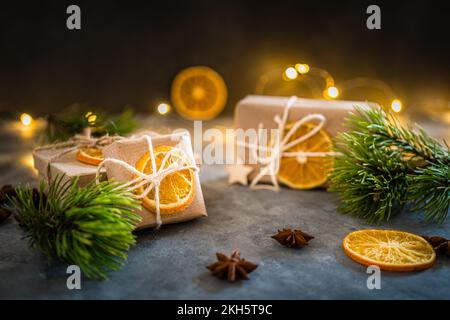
pixel 131 150
pixel 65 165
pixel 59 159
pixel 254 110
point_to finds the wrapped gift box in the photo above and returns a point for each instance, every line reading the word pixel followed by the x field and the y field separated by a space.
pixel 131 150
pixel 253 111
pixel 50 165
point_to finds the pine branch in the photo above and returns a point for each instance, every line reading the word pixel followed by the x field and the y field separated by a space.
pixel 61 127
pixel 383 166
pixel 90 227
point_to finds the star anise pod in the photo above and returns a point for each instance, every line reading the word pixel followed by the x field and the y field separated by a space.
pixel 440 244
pixel 6 192
pixel 292 238
pixel 231 268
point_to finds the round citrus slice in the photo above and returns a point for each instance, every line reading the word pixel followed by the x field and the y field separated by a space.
pixel 389 249
pixel 198 93
pixel 176 190
pixel 90 155
pixel 306 172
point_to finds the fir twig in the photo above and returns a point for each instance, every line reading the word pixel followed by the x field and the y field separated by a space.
pixel 383 166
pixel 90 227
pixel 63 126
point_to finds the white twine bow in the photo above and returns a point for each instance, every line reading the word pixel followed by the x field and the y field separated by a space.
pixel 270 165
pixel 152 180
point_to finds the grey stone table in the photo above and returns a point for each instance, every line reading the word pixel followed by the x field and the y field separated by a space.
pixel 170 263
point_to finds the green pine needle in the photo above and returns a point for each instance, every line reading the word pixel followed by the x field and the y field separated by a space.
pixel 383 166
pixel 63 126
pixel 90 227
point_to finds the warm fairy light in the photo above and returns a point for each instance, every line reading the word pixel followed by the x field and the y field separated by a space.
pixel 291 73
pixel 396 105
pixel 91 117
pixel 26 119
pixel 332 92
pixel 302 68
pixel 163 108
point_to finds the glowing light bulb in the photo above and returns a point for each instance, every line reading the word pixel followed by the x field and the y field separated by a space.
pixel 332 92
pixel 302 68
pixel 26 119
pixel 291 73
pixel 91 117
pixel 396 105
pixel 163 108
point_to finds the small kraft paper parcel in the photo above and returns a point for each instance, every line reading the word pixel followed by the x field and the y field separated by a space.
pixel 291 142
pixel 162 172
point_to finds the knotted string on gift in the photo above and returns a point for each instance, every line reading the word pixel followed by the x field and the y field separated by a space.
pixel 76 142
pixel 151 180
pixel 279 146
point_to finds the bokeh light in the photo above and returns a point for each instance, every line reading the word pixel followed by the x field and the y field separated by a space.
pixel 91 117
pixel 26 119
pixel 163 108
pixel 332 92
pixel 291 73
pixel 302 68
pixel 396 105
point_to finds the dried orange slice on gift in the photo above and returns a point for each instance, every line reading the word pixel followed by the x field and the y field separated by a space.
pixel 176 190
pixel 199 93
pixel 306 172
pixel 389 249
pixel 90 155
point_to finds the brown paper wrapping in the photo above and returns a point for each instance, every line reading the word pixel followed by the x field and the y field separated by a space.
pixel 66 165
pixel 253 110
pixel 131 150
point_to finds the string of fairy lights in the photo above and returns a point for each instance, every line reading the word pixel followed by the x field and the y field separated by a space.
pixel 331 91
pixel 327 88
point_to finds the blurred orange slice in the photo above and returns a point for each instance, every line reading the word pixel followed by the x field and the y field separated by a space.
pixel 199 93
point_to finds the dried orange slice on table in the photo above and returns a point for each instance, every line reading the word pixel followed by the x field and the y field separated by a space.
pixel 198 93
pixel 389 249
pixel 176 190
pixel 306 172
pixel 90 155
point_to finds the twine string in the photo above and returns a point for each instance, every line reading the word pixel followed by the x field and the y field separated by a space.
pixel 270 164
pixel 152 180
pixel 77 142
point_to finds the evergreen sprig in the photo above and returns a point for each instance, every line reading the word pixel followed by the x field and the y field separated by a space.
pixel 63 126
pixel 90 227
pixel 382 166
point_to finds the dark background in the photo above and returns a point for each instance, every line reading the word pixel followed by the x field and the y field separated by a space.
pixel 128 52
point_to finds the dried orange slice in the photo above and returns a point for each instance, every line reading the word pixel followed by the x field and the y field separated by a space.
pixel 306 172
pixel 176 190
pixel 90 155
pixel 198 93
pixel 389 249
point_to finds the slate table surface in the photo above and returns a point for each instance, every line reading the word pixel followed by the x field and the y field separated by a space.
pixel 171 263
